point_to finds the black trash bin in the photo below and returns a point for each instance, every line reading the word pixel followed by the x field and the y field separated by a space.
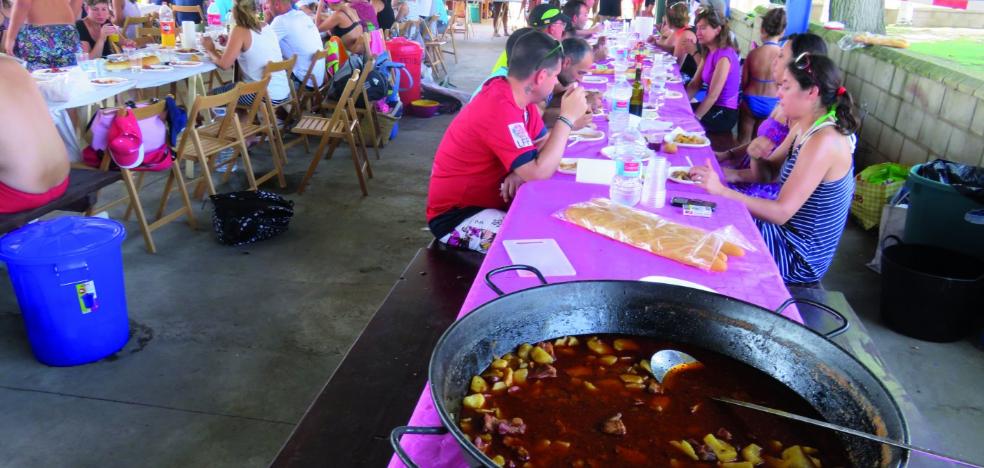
pixel 931 293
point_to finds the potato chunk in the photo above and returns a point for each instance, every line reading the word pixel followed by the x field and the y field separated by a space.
pixel 474 401
pixel 686 448
pixel 752 453
pixel 540 356
pixel 724 451
pixel 622 344
pixel 479 385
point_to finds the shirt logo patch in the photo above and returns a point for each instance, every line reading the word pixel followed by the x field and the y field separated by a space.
pixel 519 135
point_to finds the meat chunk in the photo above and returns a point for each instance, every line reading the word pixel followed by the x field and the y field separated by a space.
pixel 481 444
pixel 513 426
pixel 489 422
pixel 654 387
pixel 614 425
pixel 723 433
pixel 544 372
pixel 521 453
pixel 705 453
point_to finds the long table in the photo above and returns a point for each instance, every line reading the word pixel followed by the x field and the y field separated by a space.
pixel 753 278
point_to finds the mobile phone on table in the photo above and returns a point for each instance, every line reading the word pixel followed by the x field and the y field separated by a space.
pixel 682 201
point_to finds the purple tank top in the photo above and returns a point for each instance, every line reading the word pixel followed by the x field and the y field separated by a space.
pixel 773 130
pixel 729 94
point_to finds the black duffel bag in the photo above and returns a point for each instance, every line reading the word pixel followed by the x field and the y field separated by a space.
pixel 241 218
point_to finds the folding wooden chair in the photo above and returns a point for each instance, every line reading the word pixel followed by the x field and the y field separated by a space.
pixel 201 146
pixel 433 48
pixel 340 127
pixel 369 112
pixel 260 121
pixel 310 95
pixel 460 23
pixel 448 38
pixel 133 188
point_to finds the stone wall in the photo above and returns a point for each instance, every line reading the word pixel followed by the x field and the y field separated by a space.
pixel 915 110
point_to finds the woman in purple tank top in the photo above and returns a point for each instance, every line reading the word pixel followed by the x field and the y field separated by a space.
pixel 720 71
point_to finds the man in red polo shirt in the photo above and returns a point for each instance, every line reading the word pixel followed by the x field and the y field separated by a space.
pixel 497 142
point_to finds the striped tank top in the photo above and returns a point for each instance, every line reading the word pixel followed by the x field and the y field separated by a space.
pixel 804 247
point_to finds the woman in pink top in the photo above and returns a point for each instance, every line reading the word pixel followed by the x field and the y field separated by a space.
pixel 720 71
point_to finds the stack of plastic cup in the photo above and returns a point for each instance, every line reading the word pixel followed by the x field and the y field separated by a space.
pixel 654 188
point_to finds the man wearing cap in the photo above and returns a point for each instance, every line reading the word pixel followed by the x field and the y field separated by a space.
pixel 550 20
pixel 497 142
pixel 298 35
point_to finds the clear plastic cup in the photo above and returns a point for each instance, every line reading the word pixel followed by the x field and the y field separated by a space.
pixel 135 58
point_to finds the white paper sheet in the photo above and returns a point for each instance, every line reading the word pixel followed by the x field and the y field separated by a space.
pixel 543 254
pixel 595 171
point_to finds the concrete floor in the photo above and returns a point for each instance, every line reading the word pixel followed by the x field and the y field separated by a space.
pixel 230 345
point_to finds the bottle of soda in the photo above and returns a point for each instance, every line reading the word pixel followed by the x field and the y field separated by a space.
pixel 168 30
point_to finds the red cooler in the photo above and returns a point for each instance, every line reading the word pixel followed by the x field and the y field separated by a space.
pixel 410 54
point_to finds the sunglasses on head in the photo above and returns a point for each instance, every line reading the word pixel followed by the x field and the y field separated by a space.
pixel 558 48
pixel 802 62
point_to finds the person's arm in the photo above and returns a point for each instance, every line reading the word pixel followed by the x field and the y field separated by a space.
pixel 545 164
pixel 721 70
pixel 811 166
pixel 234 47
pixel 17 18
pixel 118 16
pixel 696 81
pixel 328 23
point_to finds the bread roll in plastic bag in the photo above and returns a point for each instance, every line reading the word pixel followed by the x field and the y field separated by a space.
pixel 648 231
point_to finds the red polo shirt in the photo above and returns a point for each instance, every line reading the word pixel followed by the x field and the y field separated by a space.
pixel 487 140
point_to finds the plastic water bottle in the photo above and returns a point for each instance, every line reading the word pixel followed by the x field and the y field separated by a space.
pixel 618 120
pixel 168 29
pixel 213 16
pixel 654 188
pixel 626 186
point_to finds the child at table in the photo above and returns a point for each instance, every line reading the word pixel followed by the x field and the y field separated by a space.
pixel 33 160
pixel 803 225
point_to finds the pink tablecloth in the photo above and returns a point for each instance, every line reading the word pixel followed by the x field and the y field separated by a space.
pixel 753 278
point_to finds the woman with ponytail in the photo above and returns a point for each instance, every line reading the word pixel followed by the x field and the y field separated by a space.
pixel 720 71
pixel 804 224
pixel 252 46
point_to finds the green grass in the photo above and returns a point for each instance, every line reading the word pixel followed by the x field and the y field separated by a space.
pixel 965 52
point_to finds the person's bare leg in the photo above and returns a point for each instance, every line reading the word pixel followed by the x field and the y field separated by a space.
pixel 496 11
pixel 746 124
pixel 505 18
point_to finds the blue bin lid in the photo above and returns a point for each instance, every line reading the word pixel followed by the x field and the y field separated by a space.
pixel 60 238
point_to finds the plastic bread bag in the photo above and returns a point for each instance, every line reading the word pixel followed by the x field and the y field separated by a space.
pixel 647 231
pixel 851 42
pixel 732 235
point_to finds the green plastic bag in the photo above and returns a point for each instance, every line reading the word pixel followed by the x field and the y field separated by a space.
pixel 873 187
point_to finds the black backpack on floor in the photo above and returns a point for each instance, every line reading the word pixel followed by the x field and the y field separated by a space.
pixel 241 218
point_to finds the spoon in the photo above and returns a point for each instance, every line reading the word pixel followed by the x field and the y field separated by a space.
pixel 670 360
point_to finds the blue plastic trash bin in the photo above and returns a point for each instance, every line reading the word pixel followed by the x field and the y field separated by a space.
pixel 68 277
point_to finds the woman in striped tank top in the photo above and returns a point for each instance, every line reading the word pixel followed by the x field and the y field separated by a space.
pixel 803 226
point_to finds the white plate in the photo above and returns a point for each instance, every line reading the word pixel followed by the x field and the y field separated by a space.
pixel 669 138
pixel 672 169
pixel 670 94
pixel 49 72
pixel 561 169
pixel 674 80
pixel 587 134
pixel 609 152
pixel 158 68
pixel 108 81
pixel 595 79
pixel 186 64
pixel 676 282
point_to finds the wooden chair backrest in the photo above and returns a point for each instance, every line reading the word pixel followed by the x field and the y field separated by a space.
pixel 158 108
pixel 189 9
pixel 260 94
pixel 151 32
pixel 202 104
pixel 286 66
pixel 403 29
pixel 425 30
pixel 309 78
pixel 141 21
pixel 341 112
